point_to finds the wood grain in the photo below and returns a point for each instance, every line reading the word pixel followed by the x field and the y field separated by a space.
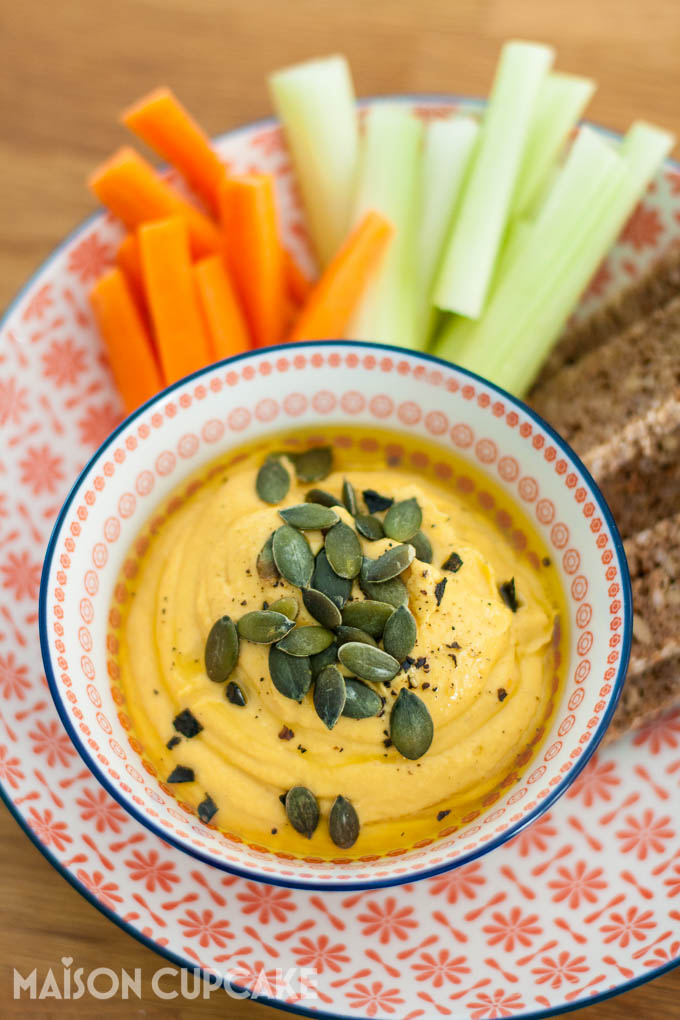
pixel 66 69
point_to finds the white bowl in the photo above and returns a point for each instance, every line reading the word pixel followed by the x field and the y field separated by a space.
pixel 322 384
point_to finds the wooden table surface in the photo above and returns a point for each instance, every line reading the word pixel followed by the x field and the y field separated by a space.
pixel 66 69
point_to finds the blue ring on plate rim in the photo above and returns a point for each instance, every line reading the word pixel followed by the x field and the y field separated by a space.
pixel 47 853
pixel 317 886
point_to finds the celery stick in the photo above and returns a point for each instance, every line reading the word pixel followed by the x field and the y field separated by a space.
pixel 389 181
pixel 315 101
pixel 533 270
pixel 561 100
pixel 480 223
pixel 446 154
pixel 567 244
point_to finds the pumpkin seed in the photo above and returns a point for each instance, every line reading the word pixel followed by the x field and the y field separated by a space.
pixel 508 593
pixel 328 657
pixel 370 527
pixel 321 608
pixel 343 550
pixel 292 676
pixel 235 695
pixel 309 516
pixel 403 520
pixel 322 497
pixel 266 568
pixel 422 546
pixel 368 663
pixel 393 562
pixel 375 502
pixel 306 641
pixel 343 823
pixel 287 605
pixel 272 482
pixel 393 592
pixel 221 649
pixel 361 701
pixel 263 626
pixel 369 616
pixel 400 633
pixel 326 580
pixel 349 497
pixel 314 464
pixel 411 728
pixel 292 555
pixel 302 810
pixel 329 696
pixel 344 634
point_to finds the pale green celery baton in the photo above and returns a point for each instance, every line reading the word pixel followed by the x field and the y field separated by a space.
pixel 446 155
pixel 562 98
pixel 536 271
pixel 389 183
pixel 480 222
pixel 317 107
pixel 643 150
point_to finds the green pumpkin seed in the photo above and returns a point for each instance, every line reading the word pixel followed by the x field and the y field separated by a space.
pixel 411 728
pixel 309 516
pixel 272 482
pixel 343 550
pixel 322 497
pixel 369 616
pixel 361 701
pixel 292 676
pixel 344 634
pixel 343 823
pixel 323 609
pixel 422 546
pixel 400 633
pixel 328 657
pixel 368 663
pixel 314 464
pixel 329 696
pixel 370 527
pixel 331 584
pixel 302 810
pixel 266 568
pixel 403 520
pixel 349 497
pixel 221 649
pixel 287 605
pixel 293 558
pixel 393 562
pixel 263 627
pixel 306 641
pixel 235 695
pixel 393 592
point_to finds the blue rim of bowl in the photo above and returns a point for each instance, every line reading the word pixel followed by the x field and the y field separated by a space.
pixel 430 97
pixel 316 885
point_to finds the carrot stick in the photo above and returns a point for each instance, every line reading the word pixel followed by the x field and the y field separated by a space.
pixel 133 191
pixel 161 121
pixel 254 254
pixel 126 338
pixel 171 295
pixel 329 307
pixel 129 262
pixel 298 283
pixel 226 325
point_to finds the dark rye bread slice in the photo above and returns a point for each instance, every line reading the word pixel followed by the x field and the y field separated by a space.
pixel 652 291
pixel 645 697
pixel 619 386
